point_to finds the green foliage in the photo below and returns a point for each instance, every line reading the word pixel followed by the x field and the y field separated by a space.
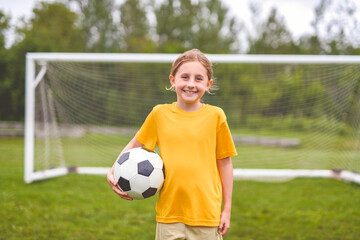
pixel 174 22
pixel 52 29
pixel 333 36
pixel 97 25
pixel 135 28
pixel 272 36
pixel 215 31
pixel 172 26
pixel 184 24
pixel 5 81
pixel 4 25
pixel 258 96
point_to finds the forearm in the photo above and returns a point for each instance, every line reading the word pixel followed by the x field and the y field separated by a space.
pixel 226 175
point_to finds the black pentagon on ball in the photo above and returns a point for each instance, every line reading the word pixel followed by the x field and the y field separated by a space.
pixel 150 192
pixel 124 184
pixel 123 157
pixel 145 168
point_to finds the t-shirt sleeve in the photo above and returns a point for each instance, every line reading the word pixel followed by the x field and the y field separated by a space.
pixel 224 143
pixel 147 134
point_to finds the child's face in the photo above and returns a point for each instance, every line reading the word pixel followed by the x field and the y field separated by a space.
pixel 190 82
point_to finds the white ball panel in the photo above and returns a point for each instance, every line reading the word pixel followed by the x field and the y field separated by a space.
pixel 139 154
pixel 139 183
pixel 155 160
pixel 128 169
pixel 135 195
pixel 117 171
pixel 156 178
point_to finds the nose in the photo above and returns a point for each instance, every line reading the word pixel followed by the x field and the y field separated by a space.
pixel 191 82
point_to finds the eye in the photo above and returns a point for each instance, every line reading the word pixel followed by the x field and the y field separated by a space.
pixel 199 78
pixel 184 77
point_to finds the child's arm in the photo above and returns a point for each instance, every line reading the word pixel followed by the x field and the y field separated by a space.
pixel 110 176
pixel 226 174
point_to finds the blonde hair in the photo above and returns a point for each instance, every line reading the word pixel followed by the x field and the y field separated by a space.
pixel 191 56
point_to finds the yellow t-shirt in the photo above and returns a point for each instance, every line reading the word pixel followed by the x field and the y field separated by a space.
pixel 189 144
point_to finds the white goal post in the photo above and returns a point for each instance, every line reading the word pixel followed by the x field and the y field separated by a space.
pixel 286 124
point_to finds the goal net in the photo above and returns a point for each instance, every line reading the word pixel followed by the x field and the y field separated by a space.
pixel 290 116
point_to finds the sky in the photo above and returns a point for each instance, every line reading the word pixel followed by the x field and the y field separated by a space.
pixel 298 14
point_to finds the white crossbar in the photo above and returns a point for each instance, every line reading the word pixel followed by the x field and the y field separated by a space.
pixel 216 58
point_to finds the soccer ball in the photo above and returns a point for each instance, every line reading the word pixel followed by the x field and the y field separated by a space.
pixel 139 172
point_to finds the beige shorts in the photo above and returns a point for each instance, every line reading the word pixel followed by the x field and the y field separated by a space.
pixel 170 231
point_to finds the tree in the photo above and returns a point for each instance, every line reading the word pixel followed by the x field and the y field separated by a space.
pixel 331 34
pixel 271 36
pixel 4 26
pixel 51 29
pixel 99 29
pixel 184 24
pixel 174 19
pixel 5 81
pixel 135 27
pixel 217 31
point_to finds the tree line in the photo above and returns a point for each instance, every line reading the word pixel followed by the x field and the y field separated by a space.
pixel 168 26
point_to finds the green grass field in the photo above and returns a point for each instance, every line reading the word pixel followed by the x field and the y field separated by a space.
pixel 84 207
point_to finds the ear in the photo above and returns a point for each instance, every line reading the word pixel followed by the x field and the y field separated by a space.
pixel 172 80
pixel 209 83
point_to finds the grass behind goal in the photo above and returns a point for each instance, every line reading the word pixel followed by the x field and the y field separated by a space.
pixel 85 207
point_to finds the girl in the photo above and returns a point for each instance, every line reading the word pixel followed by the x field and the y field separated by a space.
pixel 196 145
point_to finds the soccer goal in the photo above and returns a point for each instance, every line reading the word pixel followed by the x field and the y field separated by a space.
pixel 290 115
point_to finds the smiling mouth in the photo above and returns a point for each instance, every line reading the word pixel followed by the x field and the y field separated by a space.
pixel 190 91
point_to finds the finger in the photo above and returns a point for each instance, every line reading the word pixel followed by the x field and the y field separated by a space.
pixel 220 228
pixel 111 180
pixel 114 185
pixel 118 191
pixel 127 198
pixel 122 194
pixel 225 229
